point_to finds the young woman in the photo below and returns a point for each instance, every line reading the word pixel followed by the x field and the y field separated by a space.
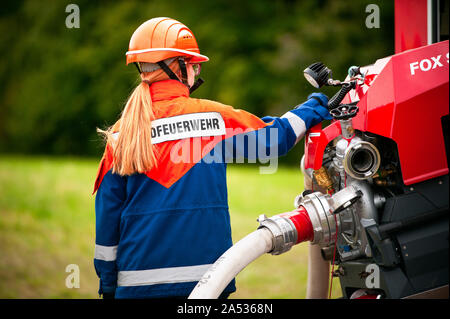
pixel 161 206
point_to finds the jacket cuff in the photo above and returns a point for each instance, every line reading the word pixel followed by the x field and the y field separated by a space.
pixel 106 289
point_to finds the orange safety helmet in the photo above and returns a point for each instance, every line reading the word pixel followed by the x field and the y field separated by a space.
pixel 162 38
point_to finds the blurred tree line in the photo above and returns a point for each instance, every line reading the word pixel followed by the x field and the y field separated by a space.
pixel 59 84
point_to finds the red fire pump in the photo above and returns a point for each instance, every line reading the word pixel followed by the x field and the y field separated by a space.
pixel 376 199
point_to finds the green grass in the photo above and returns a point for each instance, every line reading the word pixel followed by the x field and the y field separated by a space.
pixel 47 222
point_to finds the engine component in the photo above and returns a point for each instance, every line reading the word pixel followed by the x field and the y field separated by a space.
pixel 384 183
pixel 323 179
pixel 347 128
pixel 384 173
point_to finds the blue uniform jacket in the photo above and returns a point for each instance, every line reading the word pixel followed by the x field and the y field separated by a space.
pixel 157 233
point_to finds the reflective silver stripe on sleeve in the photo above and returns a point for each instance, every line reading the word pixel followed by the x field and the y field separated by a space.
pixel 161 275
pixel 297 124
pixel 106 253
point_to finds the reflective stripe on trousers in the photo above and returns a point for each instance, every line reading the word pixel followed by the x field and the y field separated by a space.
pixel 161 275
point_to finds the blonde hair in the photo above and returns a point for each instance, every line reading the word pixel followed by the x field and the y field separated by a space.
pixel 130 136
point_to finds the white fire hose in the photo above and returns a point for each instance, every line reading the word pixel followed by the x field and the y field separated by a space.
pixel 231 263
pixel 312 221
pixel 318 268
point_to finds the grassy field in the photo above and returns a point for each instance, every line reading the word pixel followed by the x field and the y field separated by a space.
pixel 47 222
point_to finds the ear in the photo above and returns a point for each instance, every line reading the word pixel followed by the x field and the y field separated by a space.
pixel 190 74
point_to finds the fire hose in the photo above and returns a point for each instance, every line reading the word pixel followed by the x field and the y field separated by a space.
pixel 318 267
pixel 312 221
pixel 231 263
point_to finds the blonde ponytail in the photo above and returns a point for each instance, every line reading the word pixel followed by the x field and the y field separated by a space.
pixel 133 150
pixel 130 136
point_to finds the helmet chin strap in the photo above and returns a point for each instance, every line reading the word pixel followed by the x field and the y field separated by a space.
pixel 183 71
pixel 184 76
pixel 168 71
pixel 196 84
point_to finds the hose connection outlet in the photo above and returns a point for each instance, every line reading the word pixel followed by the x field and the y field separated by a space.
pixel 321 209
pixel 312 221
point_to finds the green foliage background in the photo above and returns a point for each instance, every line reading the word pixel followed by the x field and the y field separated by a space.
pixel 59 84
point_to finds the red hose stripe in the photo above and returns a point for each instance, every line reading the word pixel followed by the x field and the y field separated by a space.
pixel 302 223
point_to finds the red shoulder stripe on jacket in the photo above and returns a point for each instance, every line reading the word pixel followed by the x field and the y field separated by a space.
pixel 105 165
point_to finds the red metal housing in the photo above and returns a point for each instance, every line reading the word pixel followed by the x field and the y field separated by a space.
pixel 403 98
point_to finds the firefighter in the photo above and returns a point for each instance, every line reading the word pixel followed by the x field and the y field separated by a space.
pixel 161 208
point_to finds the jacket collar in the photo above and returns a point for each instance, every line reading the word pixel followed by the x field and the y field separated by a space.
pixel 168 90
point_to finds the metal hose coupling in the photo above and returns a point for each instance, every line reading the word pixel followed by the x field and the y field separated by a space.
pixel 321 209
pixel 312 221
pixel 288 229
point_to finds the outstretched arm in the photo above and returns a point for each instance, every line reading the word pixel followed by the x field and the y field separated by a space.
pixel 281 133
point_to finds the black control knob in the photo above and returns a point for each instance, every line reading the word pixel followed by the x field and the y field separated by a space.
pixel 344 111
